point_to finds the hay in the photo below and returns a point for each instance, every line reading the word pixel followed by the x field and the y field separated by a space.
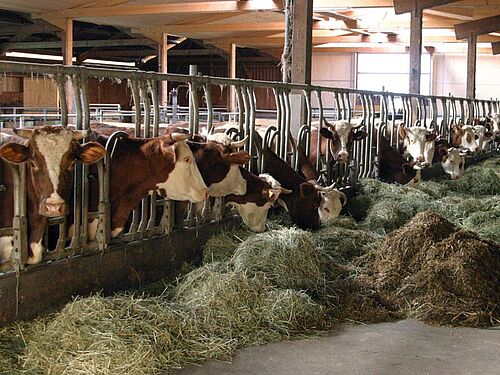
pixel 342 243
pixel 479 180
pixel 287 257
pixel 437 273
pixel 222 245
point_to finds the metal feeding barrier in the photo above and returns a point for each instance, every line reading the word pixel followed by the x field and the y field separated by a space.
pixel 155 215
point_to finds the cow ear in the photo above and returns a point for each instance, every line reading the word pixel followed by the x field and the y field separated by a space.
pixel 402 131
pixel 488 134
pixel 91 152
pixel 430 137
pixel 326 133
pixel 239 157
pixel 307 189
pixel 14 153
pixel 24 133
pixel 359 135
pixel 443 151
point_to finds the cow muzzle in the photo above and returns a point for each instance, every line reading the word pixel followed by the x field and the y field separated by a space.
pixel 52 208
pixel 343 156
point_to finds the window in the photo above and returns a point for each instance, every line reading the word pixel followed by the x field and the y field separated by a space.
pixel 390 72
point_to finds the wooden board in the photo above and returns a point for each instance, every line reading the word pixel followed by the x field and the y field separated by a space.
pixel 39 92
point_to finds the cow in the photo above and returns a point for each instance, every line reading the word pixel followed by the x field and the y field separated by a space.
pixel 394 168
pixel 417 144
pixel 50 153
pixel 452 161
pixel 463 136
pixel 483 137
pixel 262 193
pixel 342 135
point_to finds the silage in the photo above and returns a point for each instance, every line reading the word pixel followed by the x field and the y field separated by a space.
pixel 435 272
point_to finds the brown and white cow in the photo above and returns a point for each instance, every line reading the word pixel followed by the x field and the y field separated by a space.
pixel 141 165
pixel 262 193
pixel 417 144
pixel 50 153
pixel 463 136
pixel 342 134
pixel 483 137
pixel 393 168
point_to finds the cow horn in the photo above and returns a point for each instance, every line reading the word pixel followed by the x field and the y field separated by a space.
pixel 179 136
pixel 360 125
pixel 343 198
pixel 24 133
pixel 285 191
pixel 327 188
pixel 79 134
pixel 238 144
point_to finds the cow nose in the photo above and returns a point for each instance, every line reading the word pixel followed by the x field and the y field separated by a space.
pixel 421 158
pixel 343 155
pixel 206 194
pixel 54 209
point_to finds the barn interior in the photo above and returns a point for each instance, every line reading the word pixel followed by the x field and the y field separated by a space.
pixel 405 280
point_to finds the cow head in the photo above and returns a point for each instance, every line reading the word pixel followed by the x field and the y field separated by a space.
pixel 332 201
pixel 452 161
pixel 342 135
pixel 303 206
pixel 262 193
pixel 51 153
pixel 418 143
pixel 495 119
pixel 483 136
pixel 463 136
pixel 184 182
pixel 219 163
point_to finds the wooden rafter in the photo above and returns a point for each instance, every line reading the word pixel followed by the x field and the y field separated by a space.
pixel 495 48
pixel 169 8
pixel 76 44
pixel 455 13
pixel 406 6
pixel 238 27
pixel 478 27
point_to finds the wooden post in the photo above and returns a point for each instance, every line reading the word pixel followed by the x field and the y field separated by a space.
pixel 301 59
pixel 471 65
pixel 231 99
pixel 67 49
pixel 163 68
pixel 302 41
pixel 415 50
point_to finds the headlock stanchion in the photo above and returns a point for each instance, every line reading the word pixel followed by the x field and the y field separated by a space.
pixel 88 232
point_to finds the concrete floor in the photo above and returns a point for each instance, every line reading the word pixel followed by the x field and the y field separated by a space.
pixel 405 347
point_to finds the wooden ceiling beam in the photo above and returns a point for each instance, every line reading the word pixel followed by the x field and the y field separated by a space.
pixel 237 27
pixel 76 44
pixel 478 27
pixel 406 6
pixel 456 13
pixel 169 8
pixel 495 48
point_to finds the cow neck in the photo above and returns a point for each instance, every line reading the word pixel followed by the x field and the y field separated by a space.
pixel 138 165
pixel 255 185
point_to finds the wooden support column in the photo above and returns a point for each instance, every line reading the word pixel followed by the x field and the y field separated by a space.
pixel 302 41
pixel 415 50
pixel 231 99
pixel 495 48
pixel 163 68
pixel 301 59
pixel 471 65
pixel 67 50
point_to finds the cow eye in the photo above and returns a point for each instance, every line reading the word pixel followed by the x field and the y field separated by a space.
pixel 34 165
pixel 187 160
pixel 461 165
pixel 315 206
pixel 71 165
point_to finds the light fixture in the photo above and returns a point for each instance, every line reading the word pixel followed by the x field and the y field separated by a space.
pixel 35 56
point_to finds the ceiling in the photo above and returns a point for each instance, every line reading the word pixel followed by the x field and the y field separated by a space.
pixel 339 25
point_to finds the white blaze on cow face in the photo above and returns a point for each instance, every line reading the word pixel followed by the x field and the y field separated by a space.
pixel 453 163
pixel 468 139
pixel 331 205
pixel 416 144
pixel 343 129
pixel 496 123
pixel 233 183
pixel 184 182
pixel 483 137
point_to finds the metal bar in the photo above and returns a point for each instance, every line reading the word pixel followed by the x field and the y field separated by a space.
pixel 153 90
pixel 210 108
pixel 61 88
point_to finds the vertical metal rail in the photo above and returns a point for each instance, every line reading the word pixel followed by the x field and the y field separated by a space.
pixel 61 88
pixel 85 168
pixel 19 223
pixel 320 126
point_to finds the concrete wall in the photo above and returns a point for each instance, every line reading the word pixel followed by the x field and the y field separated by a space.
pixel 449 73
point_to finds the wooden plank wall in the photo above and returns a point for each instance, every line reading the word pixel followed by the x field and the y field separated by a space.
pixel 39 92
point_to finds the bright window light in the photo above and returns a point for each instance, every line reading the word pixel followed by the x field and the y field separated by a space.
pixel 36 56
pixel 108 62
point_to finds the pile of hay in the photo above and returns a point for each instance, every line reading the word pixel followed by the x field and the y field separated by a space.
pixel 437 273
